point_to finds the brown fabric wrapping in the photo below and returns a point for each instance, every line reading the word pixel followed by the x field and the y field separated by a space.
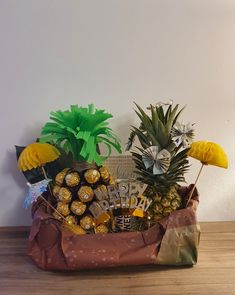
pixel 172 241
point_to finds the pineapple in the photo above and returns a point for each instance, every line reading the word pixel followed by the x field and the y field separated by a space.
pixel 79 132
pixel 169 159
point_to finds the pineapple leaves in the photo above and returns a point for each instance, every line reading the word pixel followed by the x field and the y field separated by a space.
pixel 79 131
pixel 155 130
pixel 158 125
pixel 143 139
pixel 172 117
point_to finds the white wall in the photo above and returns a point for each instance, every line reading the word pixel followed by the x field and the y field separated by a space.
pixel 54 53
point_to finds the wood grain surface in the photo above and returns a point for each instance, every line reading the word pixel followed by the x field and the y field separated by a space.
pixel 214 273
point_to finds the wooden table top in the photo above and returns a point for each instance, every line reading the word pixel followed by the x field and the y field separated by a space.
pixel 214 273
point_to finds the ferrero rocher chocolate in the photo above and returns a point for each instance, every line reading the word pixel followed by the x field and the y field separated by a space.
pixel 74 228
pixel 85 193
pixel 101 229
pixel 72 179
pixel 92 176
pixel 64 195
pixel 59 179
pixel 55 190
pixel 57 216
pixel 63 208
pixel 87 222
pixel 104 172
pixel 70 219
pixel 78 207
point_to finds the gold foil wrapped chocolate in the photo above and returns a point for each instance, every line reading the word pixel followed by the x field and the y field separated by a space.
pixel 105 174
pixel 92 176
pixel 59 179
pixel 72 179
pixel 103 218
pixel 87 222
pixel 101 229
pixel 55 190
pixel 78 208
pixel 57 216
pixel 63 208
pixel 70 220
pixel 64 195
pixel 74 228
pixel 85 193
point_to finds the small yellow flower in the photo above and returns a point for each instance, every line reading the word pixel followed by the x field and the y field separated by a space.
pixel 209 153
pixel 37 155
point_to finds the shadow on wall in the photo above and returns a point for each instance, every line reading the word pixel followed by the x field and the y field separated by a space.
pixel 13 213
pixel 122 127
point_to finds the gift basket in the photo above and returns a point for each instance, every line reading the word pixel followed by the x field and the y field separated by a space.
pixel 92 210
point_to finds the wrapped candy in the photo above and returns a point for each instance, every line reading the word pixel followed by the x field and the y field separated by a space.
pixel 78 208
pixel 70 220
pixel 63 208
pixel 92 176
pixel 101 229
pixel 64 195
pixel 72 179
pixel 59 179
pixel 103 218
pixel 105 174
pixel 85 193
pixel 74 228
pixel 56 190
pixel 87 222
pixel 57 216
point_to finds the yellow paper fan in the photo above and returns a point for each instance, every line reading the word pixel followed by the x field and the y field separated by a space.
pixel 208 153
pixel 37 155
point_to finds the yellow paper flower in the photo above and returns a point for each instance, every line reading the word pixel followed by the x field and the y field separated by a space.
pixel 36 155
pixel 208 153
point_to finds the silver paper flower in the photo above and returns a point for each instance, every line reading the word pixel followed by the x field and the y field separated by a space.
pixel 160 160
pixel 161 103
pixel 181 133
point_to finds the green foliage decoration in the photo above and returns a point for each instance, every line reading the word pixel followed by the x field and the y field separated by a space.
pixel 80 131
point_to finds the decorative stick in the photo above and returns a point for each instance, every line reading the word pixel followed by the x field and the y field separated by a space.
pixel 193 189
pixel 49 204
pixel 45 175
pixel 49 185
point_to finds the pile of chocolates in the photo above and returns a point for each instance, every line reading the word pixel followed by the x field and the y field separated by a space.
pixel 74 193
